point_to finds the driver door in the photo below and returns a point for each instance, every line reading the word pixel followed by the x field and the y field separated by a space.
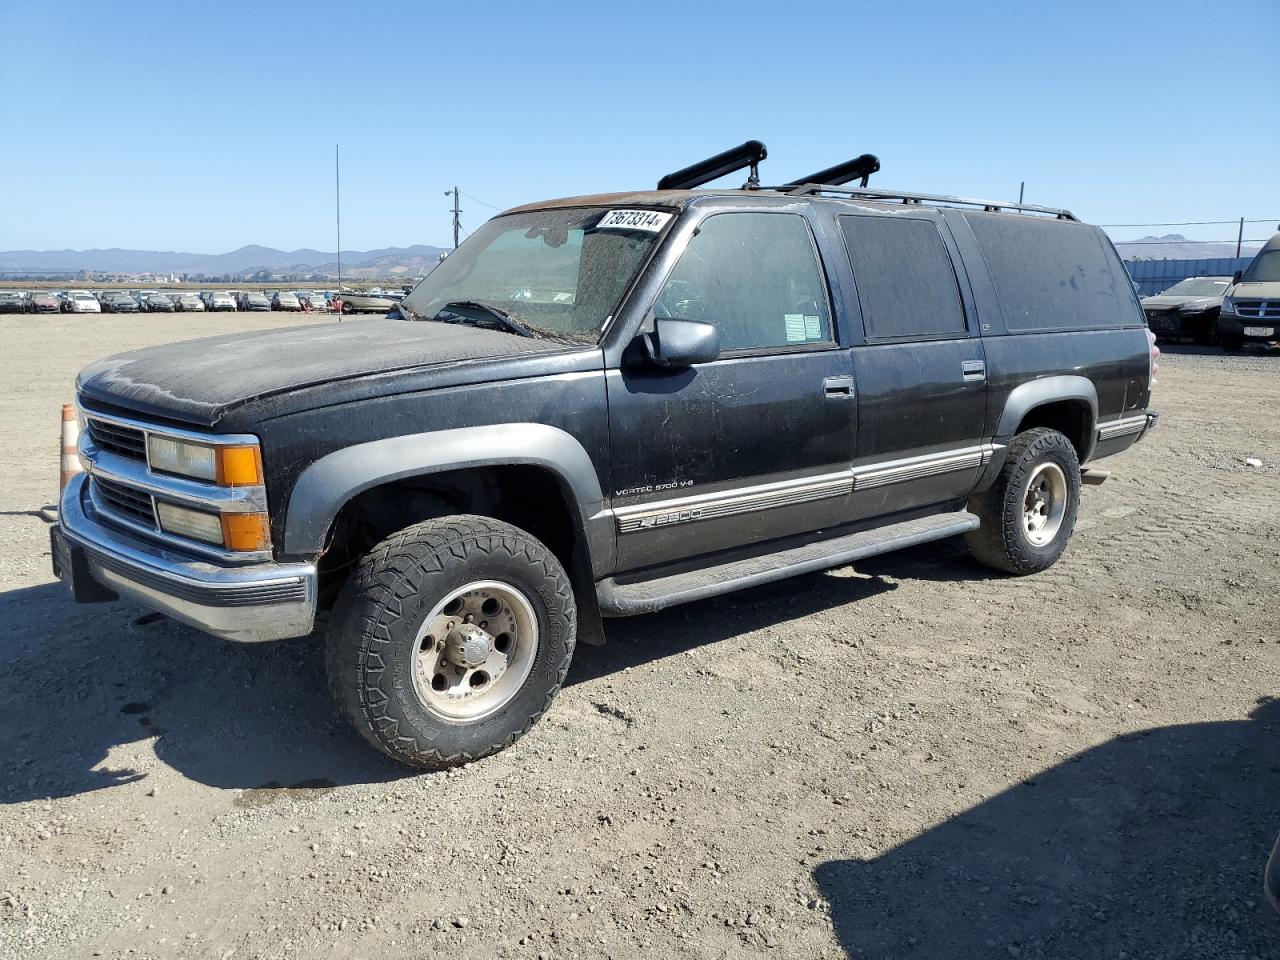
pixel 756 444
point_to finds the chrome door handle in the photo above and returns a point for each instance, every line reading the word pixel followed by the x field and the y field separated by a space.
pixel 838 386
pixel 974 370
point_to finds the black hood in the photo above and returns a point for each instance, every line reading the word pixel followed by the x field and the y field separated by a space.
pixel 201 380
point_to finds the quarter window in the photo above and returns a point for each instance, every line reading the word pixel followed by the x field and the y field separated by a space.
pixel 906 284
pixel 1053 275
pixel 755 276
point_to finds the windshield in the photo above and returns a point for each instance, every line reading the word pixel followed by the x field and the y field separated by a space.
pixel 557 273
pixel 1264 269
pixel 1199 287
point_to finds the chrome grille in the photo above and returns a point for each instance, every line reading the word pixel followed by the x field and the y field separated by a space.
pixel 126 441
pixel 125 501
pixel 1258 309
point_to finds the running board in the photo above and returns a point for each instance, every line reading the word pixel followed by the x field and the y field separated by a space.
pixel 624 600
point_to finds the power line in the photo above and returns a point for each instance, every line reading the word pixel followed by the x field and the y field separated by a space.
pixel 483 203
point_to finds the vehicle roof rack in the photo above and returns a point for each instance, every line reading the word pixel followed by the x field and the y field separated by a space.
pixel 748 154
pixel 930 199
pixel 859 168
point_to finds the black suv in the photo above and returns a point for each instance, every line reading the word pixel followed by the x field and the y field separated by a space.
pixel 604 406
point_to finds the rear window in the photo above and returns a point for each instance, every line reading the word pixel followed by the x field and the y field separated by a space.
pixel 906 284
pixel 1051 275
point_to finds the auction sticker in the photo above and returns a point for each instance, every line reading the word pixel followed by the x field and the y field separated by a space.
pixel 649 221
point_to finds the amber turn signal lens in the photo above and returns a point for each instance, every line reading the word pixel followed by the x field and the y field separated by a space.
pixel 245 531
pixel 239 466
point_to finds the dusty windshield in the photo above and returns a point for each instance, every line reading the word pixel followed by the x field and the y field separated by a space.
pixel 552 273
pixel 1199 287
pixel 1264 269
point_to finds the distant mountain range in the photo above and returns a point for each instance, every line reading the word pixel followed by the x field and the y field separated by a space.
pixel 411 261
pixel 1172 246
pixel 386 262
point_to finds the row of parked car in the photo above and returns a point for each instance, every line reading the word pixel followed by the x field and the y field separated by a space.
pixel 375 300
pixel 1228 311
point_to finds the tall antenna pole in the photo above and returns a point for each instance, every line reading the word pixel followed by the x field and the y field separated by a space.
pixel 1239 238
pixel 456 212
pixel 337 206
pixel 1021 189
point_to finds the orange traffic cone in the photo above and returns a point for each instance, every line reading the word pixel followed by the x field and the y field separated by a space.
pixel 70 446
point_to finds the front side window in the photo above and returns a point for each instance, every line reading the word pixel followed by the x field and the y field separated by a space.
pixel 906 284
pixel 756 277
pixel 556 273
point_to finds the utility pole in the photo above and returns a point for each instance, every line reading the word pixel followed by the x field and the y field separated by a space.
pixel 456 212
pixel 337 205
pixel 1021 189
pixel 1239 238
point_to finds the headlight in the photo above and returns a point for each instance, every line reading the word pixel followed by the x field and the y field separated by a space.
pixel 228 466
pixel 1228 305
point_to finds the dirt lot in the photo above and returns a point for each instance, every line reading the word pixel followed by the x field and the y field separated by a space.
pixel 910 759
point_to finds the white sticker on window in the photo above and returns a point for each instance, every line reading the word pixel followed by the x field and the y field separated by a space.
pixel 649 221
pixel 812 328
pixel 795 327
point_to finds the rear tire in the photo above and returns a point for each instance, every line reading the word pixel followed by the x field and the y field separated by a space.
pixel 1029 512
pixel 409 652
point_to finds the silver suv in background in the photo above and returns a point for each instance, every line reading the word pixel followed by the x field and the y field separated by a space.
pixel 1251 308
pixel 218 301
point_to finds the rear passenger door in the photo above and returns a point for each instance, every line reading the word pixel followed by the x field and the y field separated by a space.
pixel 921 372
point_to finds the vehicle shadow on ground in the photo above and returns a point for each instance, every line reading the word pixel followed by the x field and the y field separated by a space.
pixel 1151 845
pixel 85 684
pixel 668 633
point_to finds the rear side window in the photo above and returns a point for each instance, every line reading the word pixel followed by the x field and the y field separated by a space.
pixel 1051 275
pixel 906 283
pixel 756 277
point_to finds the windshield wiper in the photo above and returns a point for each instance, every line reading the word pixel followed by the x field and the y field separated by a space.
pixel 504 319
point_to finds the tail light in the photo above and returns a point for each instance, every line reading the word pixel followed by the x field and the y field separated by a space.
pixel 1153 353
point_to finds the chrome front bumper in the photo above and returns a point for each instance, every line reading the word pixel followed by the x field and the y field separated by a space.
pixel 262 601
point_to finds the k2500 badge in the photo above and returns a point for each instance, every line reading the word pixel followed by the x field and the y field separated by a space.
pixel 663 519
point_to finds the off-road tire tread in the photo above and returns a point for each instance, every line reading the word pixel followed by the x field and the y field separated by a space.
pixel 370 601
pixel 998 543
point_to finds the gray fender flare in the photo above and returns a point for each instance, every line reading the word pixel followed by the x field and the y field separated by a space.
pixel 327 485
pixel 1035 393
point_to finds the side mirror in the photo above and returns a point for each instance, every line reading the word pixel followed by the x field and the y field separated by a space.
pixel 682 343
pixel 1235 277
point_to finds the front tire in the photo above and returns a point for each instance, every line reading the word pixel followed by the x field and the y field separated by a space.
pixel 1029 512
pixel 450 640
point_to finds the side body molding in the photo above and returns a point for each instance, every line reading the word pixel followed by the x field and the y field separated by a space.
pixel 331 481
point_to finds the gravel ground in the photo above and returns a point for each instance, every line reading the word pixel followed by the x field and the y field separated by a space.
pixel 913 758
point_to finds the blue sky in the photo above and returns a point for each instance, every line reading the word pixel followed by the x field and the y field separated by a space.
pixel 206 126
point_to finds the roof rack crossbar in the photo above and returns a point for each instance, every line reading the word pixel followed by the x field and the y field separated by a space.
pixel 748 154
pixel 990 206
pixel 859 168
